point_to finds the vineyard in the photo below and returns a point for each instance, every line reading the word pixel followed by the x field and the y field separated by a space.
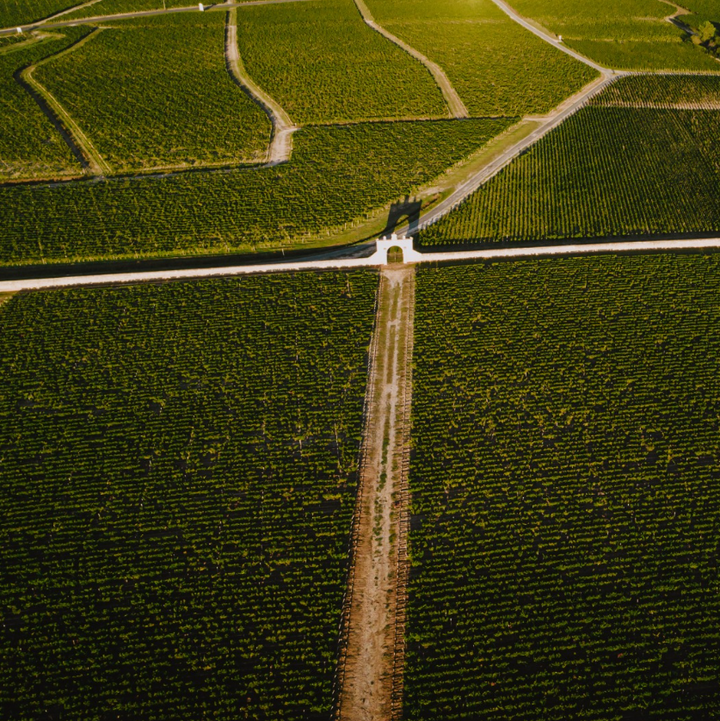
pixel 696 92
pixel 605 172
pixel 336 176
pixel 112 7
pixel 42 152
pixel 497 67
pixel 154 93
pixel 179 468
pixel 323 64
pixel 18 12
pixel 564 487
pixel 621 34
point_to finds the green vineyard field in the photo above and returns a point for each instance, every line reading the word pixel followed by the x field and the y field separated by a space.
pixel 178 468
pixel 496 66
pixel 667 91
pixel 112 7
pixel 566 514
pixel 20 12
pixel 155 94
pixel 42 153
pixel 605 172
pixel 324 65
pixel 336 175
pixel 620 34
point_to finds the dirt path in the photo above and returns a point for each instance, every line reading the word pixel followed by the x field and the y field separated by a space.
pixel 281 143
pixel 455 104
pixel 79 143
pixel 371 664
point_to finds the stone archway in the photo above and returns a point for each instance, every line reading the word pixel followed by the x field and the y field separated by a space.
pixel 395 254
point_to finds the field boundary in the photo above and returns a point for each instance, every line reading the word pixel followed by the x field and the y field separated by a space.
pixel 81 144
pixel 455 104
pixel 281 142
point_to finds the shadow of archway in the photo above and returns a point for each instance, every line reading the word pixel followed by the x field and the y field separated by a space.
pixel 403 210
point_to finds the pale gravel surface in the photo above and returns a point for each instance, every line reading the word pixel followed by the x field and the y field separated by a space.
pixel 336 263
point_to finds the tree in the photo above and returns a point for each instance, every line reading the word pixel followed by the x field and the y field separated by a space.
pixel 707 32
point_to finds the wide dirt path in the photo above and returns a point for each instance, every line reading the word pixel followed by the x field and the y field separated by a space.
pixel 372 657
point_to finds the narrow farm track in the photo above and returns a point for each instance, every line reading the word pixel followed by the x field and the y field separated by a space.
pixel 372 652
pixel 281 144
pixel 48 24
pixel 455 104
pixel 79 143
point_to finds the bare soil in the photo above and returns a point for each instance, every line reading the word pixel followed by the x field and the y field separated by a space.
pixel 371 685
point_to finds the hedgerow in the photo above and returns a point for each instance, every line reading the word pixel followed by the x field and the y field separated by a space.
pixel 606 172
pixel 336 175
pixel 155 93
pixel 42 153
pixel 496 66
pixel 565 490
pixel 323 64
pixel 178 470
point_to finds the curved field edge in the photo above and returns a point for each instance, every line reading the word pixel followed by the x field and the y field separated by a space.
pixel 564 488
pixel 188 454
pixel 337 178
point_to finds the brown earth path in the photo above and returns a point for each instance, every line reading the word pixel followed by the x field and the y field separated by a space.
pixel 369 682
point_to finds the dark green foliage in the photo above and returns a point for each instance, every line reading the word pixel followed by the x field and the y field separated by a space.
pixel 336 175
pixel 566 491
pixel 177 480
pixel 605 172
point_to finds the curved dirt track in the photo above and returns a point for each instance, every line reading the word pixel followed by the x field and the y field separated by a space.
pixel 281 144
pixel 455 104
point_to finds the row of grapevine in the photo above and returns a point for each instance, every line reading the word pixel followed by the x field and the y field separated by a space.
pixel 565 471
pixel 336 176
pixel 691 92
pixel 154 93
pixel 496 67
pixel 606 172
pixel 620 34
pixel 179 465
pixel 324 65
